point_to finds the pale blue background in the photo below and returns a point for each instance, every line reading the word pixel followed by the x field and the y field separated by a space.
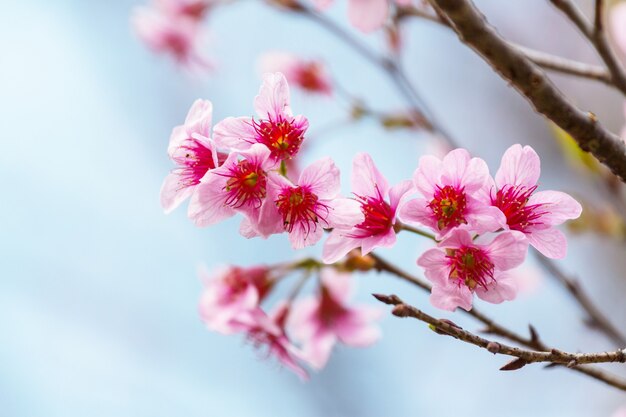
pixel 98 292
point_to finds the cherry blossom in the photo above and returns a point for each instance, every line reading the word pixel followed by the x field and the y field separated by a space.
pixel 320 322
pixel 193 152
pixel 460 267
pixel 276 127
pixel 378 202
pixel 529 211
pixel 309 75
pixel 454 193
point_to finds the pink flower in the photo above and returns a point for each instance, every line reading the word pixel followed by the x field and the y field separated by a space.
pixel 192 151
pixel 322 321
pixel 238 185
pixel 179 36
pixel 530 212
pixel 231 296
pixel 269 332
pixel 455 193
pixel 310 75
pixel 306 208
pixel 194 9
pixel 378 203
pixel 276 127
pixel 618 25
pixel 365 15
pixel 460 267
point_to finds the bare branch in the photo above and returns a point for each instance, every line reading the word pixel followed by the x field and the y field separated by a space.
pixel 596 36
pixel 533 83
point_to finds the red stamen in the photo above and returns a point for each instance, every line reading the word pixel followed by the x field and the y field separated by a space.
pixel 448 206
pixel 470 266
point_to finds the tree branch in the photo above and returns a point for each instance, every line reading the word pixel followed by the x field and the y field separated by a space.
pixel 533 84
pixel 528 356
pixel 596 36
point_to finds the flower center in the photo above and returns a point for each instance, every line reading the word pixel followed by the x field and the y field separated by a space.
pixel 448 206
pixel 299 206
pixel 309 77
pixel 194 160
pixel 470 266
pixel 378 216
pixel 282 137
pixel 329 310
pixel 512 200
pixel 246 184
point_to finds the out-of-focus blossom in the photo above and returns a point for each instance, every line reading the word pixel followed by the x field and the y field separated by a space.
pixel 528 278
pixel 268 331
pixel 320 322
pixel 231 295
pixel 455 193
pixel 276 127
pixel 194 9
pixel 193 152
pixel 378 202
pixel 304 209
pixel 617 19
pixel 460 267
pixel 238 185
pixel 620 412
pixel 177 35
pixel 309 75
pixel 365 15
pixel 533 213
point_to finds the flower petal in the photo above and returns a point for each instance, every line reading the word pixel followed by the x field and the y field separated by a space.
pixel 519 166
pixel 273 98
pixel 367 15
pixel 366 178
pixel 449 297
pixel 508 250
pixel 558 206
pixel 550 242
pixel 504 288
pixel 234 133
pixel 322 177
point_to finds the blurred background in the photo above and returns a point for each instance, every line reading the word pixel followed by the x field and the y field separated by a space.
pixel 99 289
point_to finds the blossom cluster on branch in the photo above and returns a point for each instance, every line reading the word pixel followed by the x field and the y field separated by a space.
pixel 481 225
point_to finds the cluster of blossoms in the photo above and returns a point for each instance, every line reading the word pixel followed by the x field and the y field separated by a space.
pixel 174 27
pixel 482 226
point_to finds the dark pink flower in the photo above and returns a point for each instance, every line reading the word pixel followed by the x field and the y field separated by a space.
pixel 378 202
pixel 460 267
pixel 320 322
pixel 276 127
pixel 532 212
pixel 193 152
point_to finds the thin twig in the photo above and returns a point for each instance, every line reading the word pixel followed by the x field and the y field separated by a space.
pixel 596 35
pixel 595 317
pixel 532 83
pixel 528 356
pixel 491 327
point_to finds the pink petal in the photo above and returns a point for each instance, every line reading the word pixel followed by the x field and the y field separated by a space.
pixel 436 267
pixel 234 133
pixel 322 4
pixel 504 288
pixel 300 237
pixel 399 192
pixel 207 205
pixel 417 211
pixel 323 178
pixel 558 206
pixel 550 242
pixel 199 118
pixel 519 166
pixel 428 175
pixel 316 351
pixel 386 240
pixel 246 229
pixel 367 15
pixel 338 245
pixel 455 163
pixel 273 98
pixel 358 329
pixel 344 213
pixel 482 218
pixel 508 250
pixel 456 239
pixel 340 285
pixel 172 193
pixel 366 178
pixel 476 176
pixel 451 296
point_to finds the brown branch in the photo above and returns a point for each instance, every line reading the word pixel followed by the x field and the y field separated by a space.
pixel 596 36
pixel 595 317
pixel 532 83
pixel 491 327
pixel 528 356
